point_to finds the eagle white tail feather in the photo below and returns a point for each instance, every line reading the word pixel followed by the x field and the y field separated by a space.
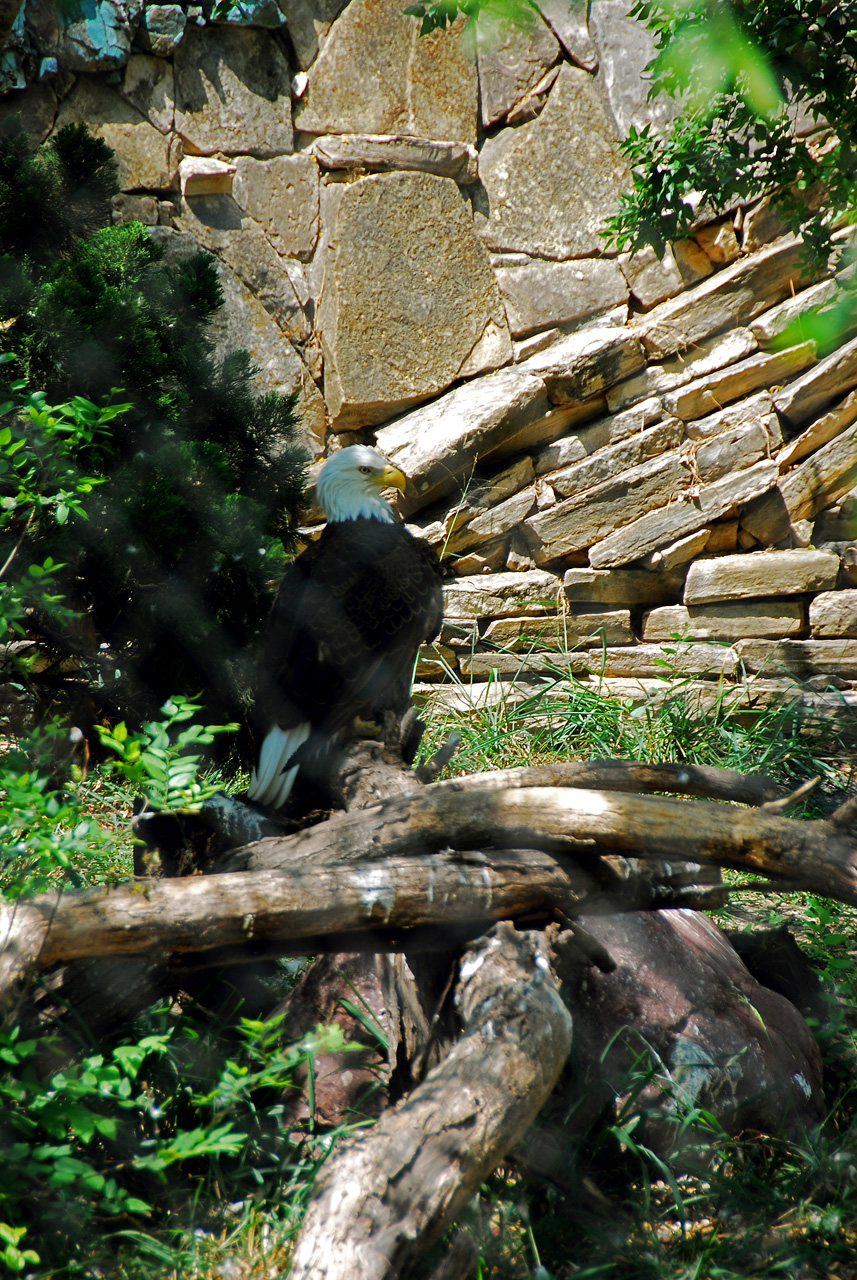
pixel 271 781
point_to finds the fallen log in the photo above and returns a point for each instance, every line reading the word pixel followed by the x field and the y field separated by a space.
pixel 383 1199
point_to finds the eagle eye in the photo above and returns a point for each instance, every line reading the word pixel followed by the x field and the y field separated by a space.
pixel 366 470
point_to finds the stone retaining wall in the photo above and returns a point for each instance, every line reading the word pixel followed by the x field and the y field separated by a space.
pixel 609 451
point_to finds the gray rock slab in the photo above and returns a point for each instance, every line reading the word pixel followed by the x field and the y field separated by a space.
pixel 704 358
pixel 682 516
pixel 766 573
pixel 142 152
pixel 762 619
pixel 651 279
pixel 815 390
pixel 540 292
pixel 592 516
pixel 822 479
pixel 92 37
pixel 610 462
pixel 649 661
pixel 499 595
pixel 801 658
pixel 585 363
pixel 599 435
pixel 436 445
pixel 376 74
pixel 282 196
pixel 551 183
pixel 756 408
pixel 409 302
pixel 628 587
pixel 520 666
pixel 233 93
pixel 819 432
pixel 568 21
pixel 308 23
pixel 384 152
pixel 625 48
pixel 574 627
pixel 706 395
pixel 771 324
pixel 730 297
pixel 497 520
pixel 834 614
pixel 148 84
pixel 513 58
pixel 678 553
pixel 733 450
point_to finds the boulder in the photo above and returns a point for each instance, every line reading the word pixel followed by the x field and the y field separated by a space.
pixel 769 573
pixel 92 37
pixel 233 93
pixel 409 303
pixel 142 152
pixel 551 183
pixel 376 74
pixel 513 58
pixel 714 1038
pixel 538 292
pixel 282 195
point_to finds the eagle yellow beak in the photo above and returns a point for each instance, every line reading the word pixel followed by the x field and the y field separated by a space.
pixel 392 478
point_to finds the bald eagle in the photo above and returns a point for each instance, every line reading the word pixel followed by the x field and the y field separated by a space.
pixel 343 635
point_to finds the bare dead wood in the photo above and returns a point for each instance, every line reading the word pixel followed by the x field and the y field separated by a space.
pixel 816 856
pixel 436 902
pixel 382 1200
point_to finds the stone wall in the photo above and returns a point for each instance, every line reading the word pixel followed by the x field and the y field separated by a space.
pixel 610 451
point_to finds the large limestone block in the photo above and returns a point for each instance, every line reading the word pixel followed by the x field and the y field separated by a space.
pixel 681 517
pixel 573 627
pixel 586 363
pixel 766 573
pixel 142 151
pixel 513 58
pixel 377 74
pixel 409 302
pixel 91 37
pixel 762 619
pixel 282 196
pixel 437 445
pixel 233 93
pixel 503 595
pixel 589 517
pixel 148 84
pixel 730 297
pixel 801 658
pixel 538 293
pixel 834 614
pixel 625 48
pixel 552 183
pixel 627 587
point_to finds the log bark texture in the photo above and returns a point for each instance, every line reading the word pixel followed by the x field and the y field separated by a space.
pixel 383 1199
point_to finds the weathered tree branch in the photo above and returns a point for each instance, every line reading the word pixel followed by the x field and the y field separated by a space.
pixel 383 1199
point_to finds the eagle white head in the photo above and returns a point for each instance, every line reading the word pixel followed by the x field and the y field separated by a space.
pixel 349 484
